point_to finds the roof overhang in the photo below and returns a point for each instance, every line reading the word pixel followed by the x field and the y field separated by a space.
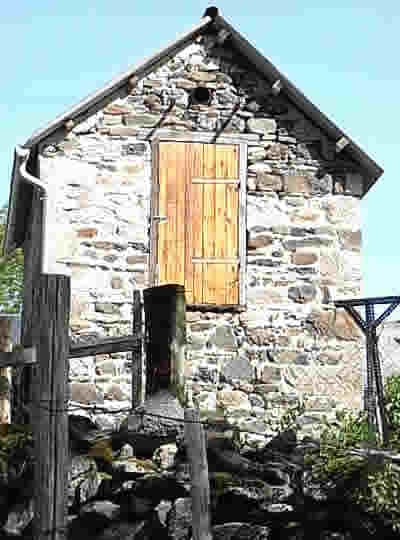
pixel 115 88
pixel 272 74
pixel 20 195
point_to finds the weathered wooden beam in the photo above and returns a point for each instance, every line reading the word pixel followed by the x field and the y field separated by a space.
pixel 132 82
pixel 197 454
pixel 222 36
pixel 341 144
pixel 276 87
pixel 104 346
pixel 18 358
pixel 23 387
pixel 69 125
pixel 137 354
pixel 51 311
pixel 178 337
pixel 228 308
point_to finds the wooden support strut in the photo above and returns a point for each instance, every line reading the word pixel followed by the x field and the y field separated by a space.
pixel 51 310
pixel 341 144
pixel 137 355
pixel 276 87
pixel 197 454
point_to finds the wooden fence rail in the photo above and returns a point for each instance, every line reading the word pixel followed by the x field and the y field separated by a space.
pixel 104 346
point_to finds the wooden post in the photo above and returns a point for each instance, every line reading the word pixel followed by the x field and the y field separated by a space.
pixel 178 338
pixel 197 454
pixel 51 309
pixel 137 357
pixel 5 372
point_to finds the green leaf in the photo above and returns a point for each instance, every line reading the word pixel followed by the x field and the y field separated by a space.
pixel 11 279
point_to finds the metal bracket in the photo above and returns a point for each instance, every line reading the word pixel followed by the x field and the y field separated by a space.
pixel 160 219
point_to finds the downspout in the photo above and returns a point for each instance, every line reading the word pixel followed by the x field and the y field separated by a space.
pixel 47 266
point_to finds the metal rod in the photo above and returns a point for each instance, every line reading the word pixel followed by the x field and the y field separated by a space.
pixel 370 405
pixel 383 428
pixel 386 313
pixel 364 301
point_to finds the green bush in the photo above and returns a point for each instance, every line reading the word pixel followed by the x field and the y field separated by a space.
pixel 392 401
pixel 369 480
pixel 11 278
pixel 15 441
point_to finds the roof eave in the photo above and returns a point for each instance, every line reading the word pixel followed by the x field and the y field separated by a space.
pixel 272 74
pixel 107 93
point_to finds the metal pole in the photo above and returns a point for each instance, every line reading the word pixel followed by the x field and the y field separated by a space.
pixel 382 424
pixel 369 393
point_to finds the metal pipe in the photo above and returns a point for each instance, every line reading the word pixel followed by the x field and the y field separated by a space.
pixel 46 266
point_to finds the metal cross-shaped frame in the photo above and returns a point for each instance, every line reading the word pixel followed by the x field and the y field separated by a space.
pixel 373 388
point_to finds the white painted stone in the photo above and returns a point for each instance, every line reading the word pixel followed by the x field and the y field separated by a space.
pixel 265 213
pixel 63 171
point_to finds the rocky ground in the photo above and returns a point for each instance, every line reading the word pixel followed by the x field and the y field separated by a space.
pixel 134 484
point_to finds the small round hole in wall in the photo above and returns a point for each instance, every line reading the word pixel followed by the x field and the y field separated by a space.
pixel 201 95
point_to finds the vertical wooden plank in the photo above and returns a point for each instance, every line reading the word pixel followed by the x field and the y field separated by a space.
pixel 242 222
pixel 51 337
pixel 197 454
pixel 170 226
pixel 162 228
pixel 197 211
pixel 227 167
pixel 137 355
pixel 222 160
pixel 154 211
pixel 193 209
pixel 179 179
pixel 178 337
pixel 32 266
pixel 232 226
pixel 209 225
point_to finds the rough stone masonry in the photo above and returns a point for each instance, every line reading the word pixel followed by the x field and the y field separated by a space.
pixel 303 249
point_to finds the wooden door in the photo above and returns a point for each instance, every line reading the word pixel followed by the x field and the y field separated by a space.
pixel 196 219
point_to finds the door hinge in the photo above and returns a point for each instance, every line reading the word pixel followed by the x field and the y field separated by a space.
pixel 160 219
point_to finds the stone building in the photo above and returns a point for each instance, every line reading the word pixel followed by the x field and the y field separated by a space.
pixel 204 166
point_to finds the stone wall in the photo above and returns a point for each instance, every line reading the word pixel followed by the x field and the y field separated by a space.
pixel 303 227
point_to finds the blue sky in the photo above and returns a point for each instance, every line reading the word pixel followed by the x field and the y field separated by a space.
pixel 344 58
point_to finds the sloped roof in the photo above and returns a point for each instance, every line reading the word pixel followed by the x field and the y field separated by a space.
pixel 119 85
